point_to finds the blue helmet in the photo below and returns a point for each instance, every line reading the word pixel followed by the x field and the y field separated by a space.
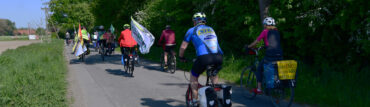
pixel 199 17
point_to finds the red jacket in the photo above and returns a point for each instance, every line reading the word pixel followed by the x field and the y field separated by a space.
pixel 167 38
pixel 126 40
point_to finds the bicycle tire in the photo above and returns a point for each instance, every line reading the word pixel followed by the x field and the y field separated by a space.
pixel 246 82
pixel 277 102
pixel 126 66
pixel 132 68
pixel 102 52
pixel 162 61
pixel 188 96
pixel 172 67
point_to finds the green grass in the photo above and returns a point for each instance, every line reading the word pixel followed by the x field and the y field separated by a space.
pixel 33 75
pixel 319 89
pixel 8 38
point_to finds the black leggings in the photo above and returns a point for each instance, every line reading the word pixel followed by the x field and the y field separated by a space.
pixel 203 61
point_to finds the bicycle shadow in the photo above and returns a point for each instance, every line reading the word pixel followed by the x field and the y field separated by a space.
pixel 162 103
pixel 117 72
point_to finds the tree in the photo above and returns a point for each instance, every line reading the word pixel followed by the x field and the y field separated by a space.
pixel 6 27
pixel 67 13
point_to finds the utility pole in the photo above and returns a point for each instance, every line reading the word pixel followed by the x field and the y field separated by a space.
pixel 46 9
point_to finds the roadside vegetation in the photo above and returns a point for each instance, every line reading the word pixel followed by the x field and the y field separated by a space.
pixel 8 38
pixel 33 75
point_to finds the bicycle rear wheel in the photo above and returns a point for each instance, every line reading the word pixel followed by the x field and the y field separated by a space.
pixel 102 53
pixel 282 97
pixel 248 81
pixel 132 67
pixel 189 97
pixel 172 64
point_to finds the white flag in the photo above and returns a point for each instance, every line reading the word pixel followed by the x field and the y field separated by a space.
pixel 80 49
pixel 142 36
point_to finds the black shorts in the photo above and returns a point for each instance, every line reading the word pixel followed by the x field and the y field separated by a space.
pixel 127 50
pixel 169 49
pixel 203 61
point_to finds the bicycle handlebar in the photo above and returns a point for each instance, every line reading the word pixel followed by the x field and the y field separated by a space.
pixel 253 51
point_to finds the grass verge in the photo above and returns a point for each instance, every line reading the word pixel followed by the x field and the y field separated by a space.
pixel 349 89
pixel 33 75
pixel 9 38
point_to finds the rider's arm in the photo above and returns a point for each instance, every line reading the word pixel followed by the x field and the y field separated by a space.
pixel 160 39
pixel 263 35
pixel 183 47
pixel 253 44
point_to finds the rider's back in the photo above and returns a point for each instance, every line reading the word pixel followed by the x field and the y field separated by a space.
pixel 126 40
pixel 204 40
pixel 169 37
pixel 273 50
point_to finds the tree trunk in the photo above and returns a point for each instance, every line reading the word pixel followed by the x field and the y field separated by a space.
pixel 264 6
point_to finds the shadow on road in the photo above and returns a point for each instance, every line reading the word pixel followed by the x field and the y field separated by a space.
pixel 181 85
pixel 117 72
pixel 161 103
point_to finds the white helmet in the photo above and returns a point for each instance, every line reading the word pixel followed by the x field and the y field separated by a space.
pixel 269 21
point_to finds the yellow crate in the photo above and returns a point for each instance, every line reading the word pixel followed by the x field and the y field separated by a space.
pixel 287 69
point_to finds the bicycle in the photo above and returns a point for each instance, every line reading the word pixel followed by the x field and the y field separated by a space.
pixel 221 94
pixel 284 83
pixel 102 51
pixel 129 61
pixel 171 62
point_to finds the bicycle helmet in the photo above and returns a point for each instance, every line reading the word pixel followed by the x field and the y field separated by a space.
pixel 101 27
pixel 269 21
pixel 126 26
pixel 199 17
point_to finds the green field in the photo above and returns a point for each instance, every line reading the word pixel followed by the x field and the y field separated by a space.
pixel 8 38
pixel 348 89
pixel 33 75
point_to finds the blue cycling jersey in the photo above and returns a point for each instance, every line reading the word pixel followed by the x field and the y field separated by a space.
pixel 205 37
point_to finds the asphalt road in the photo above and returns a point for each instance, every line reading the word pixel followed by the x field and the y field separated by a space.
pixel 4 45
pixel 97 83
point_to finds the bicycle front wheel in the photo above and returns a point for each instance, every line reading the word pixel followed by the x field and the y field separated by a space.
pixel 282 97
pixel 248 81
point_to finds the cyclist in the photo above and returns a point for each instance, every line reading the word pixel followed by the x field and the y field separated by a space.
pixel 109 39
pixel 126 41
pixel 167 41
pixel 207 48
pixel 101 40
pixel 271 38
pixel 85 38
pixel 68 36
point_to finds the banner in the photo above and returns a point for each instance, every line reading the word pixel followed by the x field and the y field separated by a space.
pixel 80 49
pixel 142 36
pixel 111 28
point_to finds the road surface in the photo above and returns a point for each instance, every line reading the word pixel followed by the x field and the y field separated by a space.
pixel 4 45
pixel 97 83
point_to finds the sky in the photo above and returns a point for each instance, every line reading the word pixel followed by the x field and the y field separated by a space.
pixel 23 12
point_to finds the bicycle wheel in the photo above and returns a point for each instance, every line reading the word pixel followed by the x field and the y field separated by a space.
pixel 102 53
pixel 278 96
pixel 248 81
pixel 188 97
pixel 162 61
pixel 132 68
pixel 172 64
pixel 126 65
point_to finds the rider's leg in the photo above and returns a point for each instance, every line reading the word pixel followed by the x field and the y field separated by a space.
pixel 259 74
pixel 194 86
pixel 165 57
pixel 217 60
pixel 198 68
